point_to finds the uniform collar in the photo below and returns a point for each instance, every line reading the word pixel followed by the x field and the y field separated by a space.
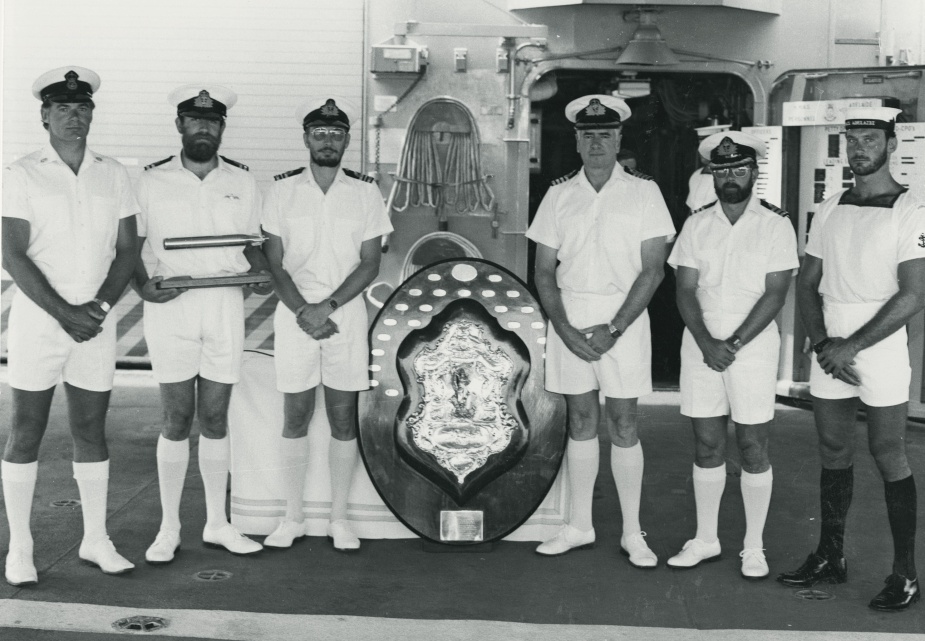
pixel 48 154
pixel 617 175
pixel 753 207
pixel 308 176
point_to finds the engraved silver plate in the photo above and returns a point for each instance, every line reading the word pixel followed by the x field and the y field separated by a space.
pixel 463 418
pixel 461 525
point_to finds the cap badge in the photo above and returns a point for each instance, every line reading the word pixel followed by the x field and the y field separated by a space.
pixel 595 108
pixel 203 100
pixel 329 108
pixel 727 148
pixel 71 78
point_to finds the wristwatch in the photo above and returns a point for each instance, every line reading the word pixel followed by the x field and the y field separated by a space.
pixel 332 304
pixel 103 305
pixel 818 347
pixel 614 332
pixel 736 341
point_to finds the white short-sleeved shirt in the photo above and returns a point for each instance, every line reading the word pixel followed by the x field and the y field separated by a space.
pixel 597 235
pixel 700 190
pixel 733 260
pixel 175 203
pixel 74 219
pixel 322 233
pixel 861 247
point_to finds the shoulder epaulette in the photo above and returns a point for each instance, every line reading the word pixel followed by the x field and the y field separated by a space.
pixel 287 174
pixel 707 206
pixel 239 165
pixel 567 177
pixel 637 174
pixel 159 162
pixel 777 210
pixel 359 176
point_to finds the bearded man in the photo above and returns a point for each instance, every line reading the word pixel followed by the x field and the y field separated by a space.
pixel 734 260
pixel 862 280
pixel 196 337
pixel 325 224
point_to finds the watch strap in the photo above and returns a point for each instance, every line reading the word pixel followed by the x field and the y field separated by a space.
pixel 616 333
pixel 106 307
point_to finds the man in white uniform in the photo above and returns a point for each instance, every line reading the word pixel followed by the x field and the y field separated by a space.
pixel 609 231
pixel 735 258
pixel 196 337
pixel 862 280
pixel 700 190
pixel 69 243
pixel 324 225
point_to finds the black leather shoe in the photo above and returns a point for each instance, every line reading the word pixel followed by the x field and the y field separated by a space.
pixel 898 594
pixel 815 570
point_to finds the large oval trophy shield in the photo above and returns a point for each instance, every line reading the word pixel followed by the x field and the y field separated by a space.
pixel 458 434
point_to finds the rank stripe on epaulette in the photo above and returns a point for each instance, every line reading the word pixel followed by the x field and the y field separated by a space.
pixel 239 165
pixel 287 174
pixel 565 178
pixel 777 210
pixel 159 162
pixel 707 206
pixel 359 176
pixel 637 174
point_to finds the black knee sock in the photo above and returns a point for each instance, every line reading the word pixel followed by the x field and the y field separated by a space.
pixel 901 510
pixel 835 490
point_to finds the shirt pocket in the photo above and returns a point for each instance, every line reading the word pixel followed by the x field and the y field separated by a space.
pixel 51 218
pixel 230 216
pixel 347 238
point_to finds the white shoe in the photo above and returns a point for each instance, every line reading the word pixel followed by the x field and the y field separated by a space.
pixel 20 570
pixel 285 533
pixel 102 553
pixel 164 548
pixel 694 552
pixel 754 564
pixel 568 538
pixel 634 546
pixel 343 537
pixel 229 538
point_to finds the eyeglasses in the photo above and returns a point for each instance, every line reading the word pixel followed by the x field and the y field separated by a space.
pixel 738 172
pixel 320 134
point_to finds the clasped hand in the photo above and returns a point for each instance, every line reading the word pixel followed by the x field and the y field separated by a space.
pixel 837 358
pixel 82 322
pixel 717 354
pixel 313 320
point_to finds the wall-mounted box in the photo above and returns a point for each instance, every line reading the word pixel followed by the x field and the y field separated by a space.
pixel 398 58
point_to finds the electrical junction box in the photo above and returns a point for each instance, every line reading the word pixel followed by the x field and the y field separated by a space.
pixel 398 58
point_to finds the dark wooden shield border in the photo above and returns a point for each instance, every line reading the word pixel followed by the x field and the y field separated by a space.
pixel 506 499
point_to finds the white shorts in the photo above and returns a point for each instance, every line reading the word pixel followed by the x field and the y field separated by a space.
pixel 623 372
pixel 200 332
pixel 746 390
pixel 40 353
pixel 883 368
pixel 340 362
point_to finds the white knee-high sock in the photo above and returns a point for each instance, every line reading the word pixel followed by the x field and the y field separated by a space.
pixel 709 483
pixel 172 464
pixel 93 484
pixel 756 496
pixel 584 459
pixel 18 492
pixel 342 460
pixel 213 465
pixel 627 464
pixel 295 460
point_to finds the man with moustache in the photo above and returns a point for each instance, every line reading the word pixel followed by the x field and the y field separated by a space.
pixel 862 280
pixel 196 337
pixel 325 225
pixel 69 244
pixel 734 261
pixel 602 237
